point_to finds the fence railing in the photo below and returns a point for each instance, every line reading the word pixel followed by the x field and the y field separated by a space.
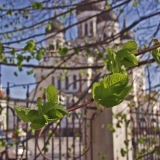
pixel 146 134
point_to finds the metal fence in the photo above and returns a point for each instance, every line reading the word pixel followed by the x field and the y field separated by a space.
pixel 67 139
pixel 64 140
pixel 58 141
pixel 146 135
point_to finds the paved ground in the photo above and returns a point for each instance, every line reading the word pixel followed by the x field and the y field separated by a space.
pixel 54 148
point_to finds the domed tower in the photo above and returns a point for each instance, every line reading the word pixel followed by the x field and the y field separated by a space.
pixel 107 25
pixel 86 9
pixel 125 37
pixel 53 37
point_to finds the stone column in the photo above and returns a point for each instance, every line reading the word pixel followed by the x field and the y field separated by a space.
pixel 101 138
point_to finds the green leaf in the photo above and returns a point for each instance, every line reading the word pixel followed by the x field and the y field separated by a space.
pixel 28 58
pixel 54 115
pixel 115 99
pixel 112 62
pixel 30 46
pixel 39 101
pixel 37 5
pixel 63 51
pixel 126 55
pixel 76 51
pixel 20 58
pixel 13 52
pixel 156 52
pixel 2 57
pixel 135 3
pixel 1 48
pixel 51 46
pixel 52 94
pixel 130 46
pixel 112 90
pixel 130 61
pixel 49 26
pixel 15 73
pixel 37 123
pixel 26 114
pixel 40 54
pixel 30 72
pixel 61 109
pixel 9 12
pixel 47 106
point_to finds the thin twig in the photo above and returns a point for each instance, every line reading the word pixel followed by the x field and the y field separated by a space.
pixel 88 148
pixel 38 144
pixel 81 105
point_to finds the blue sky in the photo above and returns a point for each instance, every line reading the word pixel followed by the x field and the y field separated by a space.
pixel 23 78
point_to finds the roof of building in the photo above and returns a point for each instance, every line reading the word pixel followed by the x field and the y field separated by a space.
pixel 92 5
pixel 107 16
pixel 56 25
pixel 126 35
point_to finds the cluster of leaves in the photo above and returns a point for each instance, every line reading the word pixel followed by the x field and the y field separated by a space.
pixel 112 90
pixel 156 52
pixel 46 112
pixel 116 61
pixel 109 92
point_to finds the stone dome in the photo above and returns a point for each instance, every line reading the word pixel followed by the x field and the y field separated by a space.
pixel 107 16
pixel 56 25
pixel 127 36
pixel 93 5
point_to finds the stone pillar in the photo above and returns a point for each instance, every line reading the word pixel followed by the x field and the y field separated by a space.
pixel 101 138
pixel 106 145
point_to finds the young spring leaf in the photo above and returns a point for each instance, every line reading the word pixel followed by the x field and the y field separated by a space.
pixel 61 109
pixel 49 26
pixel 40 53
pixel 1 48
pixel 52 94
pixel 30 46
pixel 130 46
pixel 129 60
pixel 37 5
pixel 126 54
pixel 116 60
pixel 156 52
pixel 47 112
pixel 38 123
pixel 113 64
pixel 26 114
pixel 63 51
pixel 112 90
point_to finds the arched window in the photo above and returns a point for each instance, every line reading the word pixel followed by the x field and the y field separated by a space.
pixel 86 29
pixel 91 28
pixel 80 30
pixel 52 80
pixel 57 45
pixel 142 123
pixel 74 82
pixel 153 122
pixel 104 37
pixel 66 82
pixel 59 83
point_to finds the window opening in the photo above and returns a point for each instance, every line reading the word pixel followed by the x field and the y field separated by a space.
pixel 59 83
pixel 91 28
pixel 86 29
pixel 66 82
pixel 74 82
